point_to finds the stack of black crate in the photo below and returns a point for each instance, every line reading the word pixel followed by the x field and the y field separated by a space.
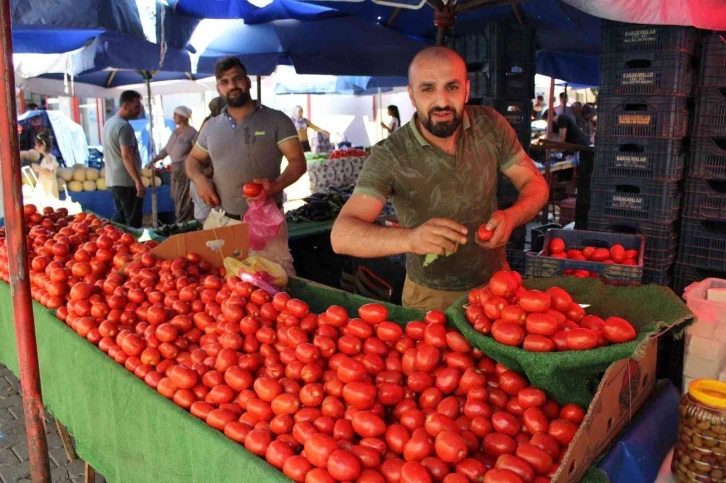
pixel 500 61
pixel 646 83
pixel 702 250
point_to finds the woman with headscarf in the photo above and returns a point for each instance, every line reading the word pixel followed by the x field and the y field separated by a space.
pixel 302 125
pixel 177 148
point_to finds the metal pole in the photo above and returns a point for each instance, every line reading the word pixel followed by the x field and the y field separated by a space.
pixel 18 262
pixel 548 153
pixel 259 90
pixel 152 152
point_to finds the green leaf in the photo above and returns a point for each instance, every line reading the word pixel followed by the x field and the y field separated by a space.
pixel 432 257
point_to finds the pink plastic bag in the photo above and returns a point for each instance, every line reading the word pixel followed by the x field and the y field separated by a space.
pixel 264 219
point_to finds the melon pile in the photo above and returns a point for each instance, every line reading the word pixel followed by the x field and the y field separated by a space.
pixel 79 178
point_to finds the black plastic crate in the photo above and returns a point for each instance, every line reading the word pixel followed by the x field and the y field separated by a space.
pixel 501 79
pixel 658 277
pixel 541 265
pixel 641 158
pixel 659 251
pixel 516 112
pixel 635 199
pixel 703 244
pixel 516 259
pixel 649 117
pixel 705 199
pixel 685 274
pixel 658 235
pixel 713 61
pixel 646 73
pixel 480 41
pixel 708 158
pixel 620 37
pixel 710 119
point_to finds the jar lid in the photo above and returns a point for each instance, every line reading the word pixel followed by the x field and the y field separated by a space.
pixel 709 392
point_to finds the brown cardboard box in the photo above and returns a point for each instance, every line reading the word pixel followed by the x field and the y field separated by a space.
pixel 212 245
pixel 624 388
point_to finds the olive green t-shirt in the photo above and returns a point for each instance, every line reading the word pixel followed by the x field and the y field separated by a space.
pixel 424 182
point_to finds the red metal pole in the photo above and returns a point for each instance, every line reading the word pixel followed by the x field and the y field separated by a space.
pixel 21 100
pixel 18 260
pixel 76 110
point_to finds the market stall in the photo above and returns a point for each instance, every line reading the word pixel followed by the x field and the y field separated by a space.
pixel 101 202
pixel 339 168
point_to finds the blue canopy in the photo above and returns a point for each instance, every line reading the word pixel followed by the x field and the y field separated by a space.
pixel 122 60
pixel 243 9
pixel 568 39
pixel 56 26
pixel 339 45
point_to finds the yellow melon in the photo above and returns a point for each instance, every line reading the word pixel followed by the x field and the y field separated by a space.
pixel 65 174
pixel 75 186
pixel 79 175
pixel 91 174
pixel 101 184
pixel 89 185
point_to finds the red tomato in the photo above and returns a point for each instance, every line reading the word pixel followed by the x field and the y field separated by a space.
pixel 561 300
pixel 297 467
pixel 343 466
pixel 563 431
pixel 512 382
pixel 472 469
pixel 581 339
pixel 483 233
pixel 318 449
pixel 360 395
pixel 389 331
pixel 538 343
pixel 576 313
pixel 546 443
pixel 516 465
pixel 541 324
pixel 457 342
pixel 251 190
pixel 373 313
pixel 368 424
pixel 499 475
pixel 391 469
pixel 618 330
pixel 505 423
pixel 508 334
pixel 496 444
pixel 535 301
pixel 557 245
pixel 450 447
pixel 572 412
pixel 631 254
pixel 414 472
pixel 617 253
pixel 493 307
pixel 503 284
pixel 435 317
pixel 535 421
pixel 592 322
pixel 536 457
pixel 514 314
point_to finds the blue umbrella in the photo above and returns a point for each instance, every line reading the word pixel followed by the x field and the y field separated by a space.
pixel 337 45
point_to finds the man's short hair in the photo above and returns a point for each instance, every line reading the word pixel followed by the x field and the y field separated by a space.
pixel 563 95
pixel 128 96
pixel 223 65
pixel 540 98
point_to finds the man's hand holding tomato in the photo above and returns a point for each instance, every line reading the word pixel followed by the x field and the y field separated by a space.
pixel 497 230
pixel 259 187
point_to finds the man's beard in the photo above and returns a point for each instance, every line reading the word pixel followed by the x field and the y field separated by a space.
pixel 239 101
pixel 441 129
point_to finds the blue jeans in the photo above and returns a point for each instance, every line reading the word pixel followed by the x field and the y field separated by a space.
pixel 127 207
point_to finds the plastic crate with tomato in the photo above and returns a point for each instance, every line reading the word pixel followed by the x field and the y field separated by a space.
pixel 611 256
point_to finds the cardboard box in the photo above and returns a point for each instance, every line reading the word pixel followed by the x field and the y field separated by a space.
pixel 624 388
pixel 212 245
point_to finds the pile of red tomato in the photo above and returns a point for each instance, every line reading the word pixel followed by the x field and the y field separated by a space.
pixel 324 397
pixel 616 254
pixel 348 153
pixel 540 321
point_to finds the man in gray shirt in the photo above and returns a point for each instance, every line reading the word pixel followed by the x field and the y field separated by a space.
pixel 123 162
pixel 245 143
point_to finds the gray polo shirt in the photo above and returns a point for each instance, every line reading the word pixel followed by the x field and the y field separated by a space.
pixel 246 151
pixel 118 132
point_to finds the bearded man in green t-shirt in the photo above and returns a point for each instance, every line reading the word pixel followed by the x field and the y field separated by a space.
pixel 440 172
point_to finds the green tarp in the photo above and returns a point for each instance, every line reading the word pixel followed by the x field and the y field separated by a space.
pixel 125 429
pixel 573 376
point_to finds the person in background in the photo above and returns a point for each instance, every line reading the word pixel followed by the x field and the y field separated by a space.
pixel 539 108
pixel 48 165
pixel 563 108
pixel 123 161
pixel 245 143
pixel 31 107
pixel 302 125
pixel 215 109
pixel 177 148
pixel 395 121
pixel 589 116
pixel 571 130
pixel 440 171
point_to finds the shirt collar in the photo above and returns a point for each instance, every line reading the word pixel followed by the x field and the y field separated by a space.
pixel 465 122
pixel 231 120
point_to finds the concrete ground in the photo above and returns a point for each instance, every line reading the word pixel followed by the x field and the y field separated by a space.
pixel 14 466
